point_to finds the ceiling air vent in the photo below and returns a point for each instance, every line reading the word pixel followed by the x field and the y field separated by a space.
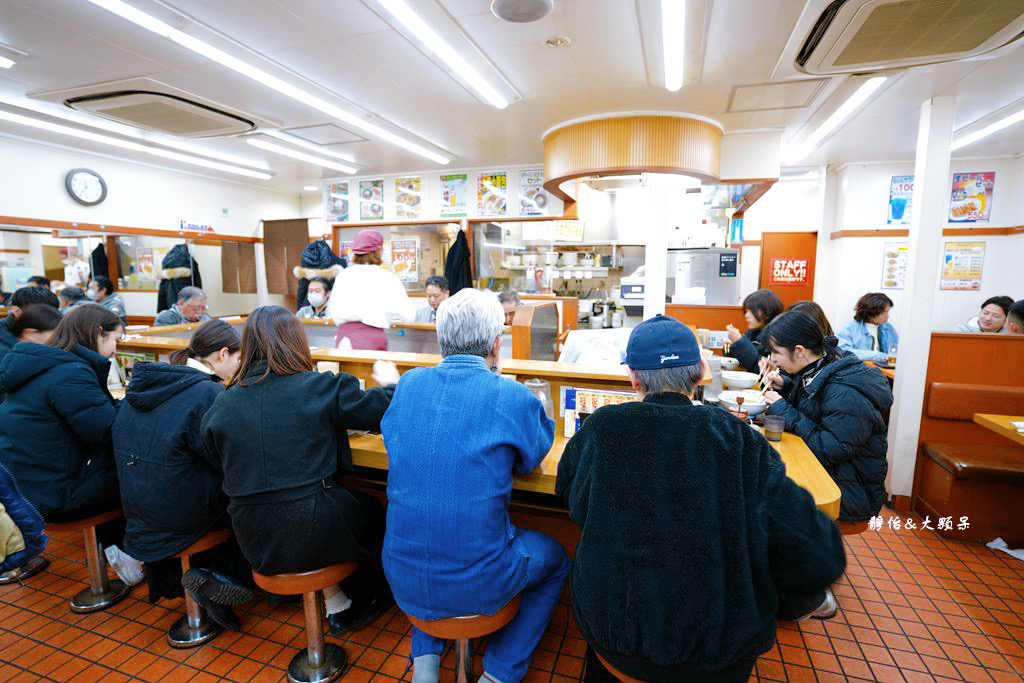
pixel 162 113
pixel 851 36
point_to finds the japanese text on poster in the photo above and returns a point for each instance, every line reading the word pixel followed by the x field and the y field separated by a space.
pixel 901 189
pixel 408 197
pixel 971 200
pixel 533 200
pixel 894 265
pixel 784 271
pixel 453 195
pixel 336 202
pixel 491 193
pixel 962 266
pixel 403 259
pixel 371 199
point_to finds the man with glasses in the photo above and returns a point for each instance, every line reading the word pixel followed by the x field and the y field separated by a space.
pixel 190 308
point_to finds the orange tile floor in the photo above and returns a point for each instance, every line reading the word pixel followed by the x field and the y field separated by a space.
pixel 913 607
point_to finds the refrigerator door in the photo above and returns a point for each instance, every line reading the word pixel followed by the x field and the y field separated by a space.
pixel 715 271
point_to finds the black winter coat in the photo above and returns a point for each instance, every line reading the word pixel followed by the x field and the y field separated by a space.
pixel 839 414
pixel 170 494
pixel 691 531
pixel 317 259
pixel 288 431
pixel 178 270
pixel 55 428
pixel 7 338
pixel 457 269
pixel 748 350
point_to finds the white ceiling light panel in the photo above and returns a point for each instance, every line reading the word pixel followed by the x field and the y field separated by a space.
pixel 262 77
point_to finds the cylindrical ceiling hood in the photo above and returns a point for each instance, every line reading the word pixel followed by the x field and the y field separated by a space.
pixel 631 142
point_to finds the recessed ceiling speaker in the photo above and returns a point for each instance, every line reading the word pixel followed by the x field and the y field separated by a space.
pixel 521 11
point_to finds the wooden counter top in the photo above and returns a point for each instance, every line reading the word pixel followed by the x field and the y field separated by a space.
pixel 801 466
pixel 1000 424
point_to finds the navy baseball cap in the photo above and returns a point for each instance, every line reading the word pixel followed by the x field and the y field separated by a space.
pixel 661 342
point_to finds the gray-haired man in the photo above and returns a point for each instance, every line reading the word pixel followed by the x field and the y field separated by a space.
pixel 191 308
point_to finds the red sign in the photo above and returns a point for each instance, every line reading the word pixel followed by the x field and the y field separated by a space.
pixel 786 271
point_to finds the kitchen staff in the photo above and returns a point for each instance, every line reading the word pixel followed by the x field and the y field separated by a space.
pixel 366 298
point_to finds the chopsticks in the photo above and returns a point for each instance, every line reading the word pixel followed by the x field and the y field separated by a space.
pixel 766 381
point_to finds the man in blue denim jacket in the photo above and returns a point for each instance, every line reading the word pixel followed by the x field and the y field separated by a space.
pixel 869 336
pixel 457 434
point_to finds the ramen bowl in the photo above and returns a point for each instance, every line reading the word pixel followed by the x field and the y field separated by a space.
pixel 734 379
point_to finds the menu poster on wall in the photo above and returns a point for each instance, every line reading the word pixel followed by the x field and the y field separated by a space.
pixel 962 266
pixel 408 197
pixel 453 195
pixel 144 259
pixel 971 201
pixel 403 259
pixel 786 271
pixel 533 199
pixel 491 193
pixel 336 202
pixel 901 189
pixel 371 200
pixel 894 265
pixel 345 251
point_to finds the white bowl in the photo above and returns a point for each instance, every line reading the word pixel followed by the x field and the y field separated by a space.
pixel 734 379
pixel 729 363
pixel 753 402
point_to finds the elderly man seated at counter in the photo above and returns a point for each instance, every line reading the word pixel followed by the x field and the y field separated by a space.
pixel 509 299
pixel 190 308
pixel 694 539
pixel 456 436
pixel 437 291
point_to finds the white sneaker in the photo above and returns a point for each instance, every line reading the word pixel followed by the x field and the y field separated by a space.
pixel 826 610
pixel 127 568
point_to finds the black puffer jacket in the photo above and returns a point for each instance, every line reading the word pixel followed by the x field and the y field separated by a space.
pixel 7 338
pixel 838 410
pixel 55 428
pixel 317 259
pixel 749 350
pixel 177 271
pixel 170 494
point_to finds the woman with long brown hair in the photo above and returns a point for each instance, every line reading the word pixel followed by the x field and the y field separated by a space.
pixel 279 434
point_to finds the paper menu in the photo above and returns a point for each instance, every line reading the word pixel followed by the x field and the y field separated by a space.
pixel 579 402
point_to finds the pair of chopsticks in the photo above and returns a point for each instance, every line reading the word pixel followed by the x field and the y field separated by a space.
pixel 766 381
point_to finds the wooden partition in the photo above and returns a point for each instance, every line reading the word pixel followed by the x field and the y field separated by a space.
pixel 707 317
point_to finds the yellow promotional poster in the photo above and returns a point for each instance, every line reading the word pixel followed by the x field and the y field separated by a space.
pixel 491 194
pixel 404 259
pixel 408 197
pixel 962 266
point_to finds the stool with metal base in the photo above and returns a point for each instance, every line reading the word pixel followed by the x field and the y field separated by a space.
pixel 320 661
pixel 102 592
pixel 195 628
pixel 30 568
pixel 464 629
pixel 615 672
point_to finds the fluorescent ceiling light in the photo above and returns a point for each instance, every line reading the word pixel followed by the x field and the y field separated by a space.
pixel 971 138
pixel 442 50
pixel 301 156
pixel 310 188
pixel 149 23
pixel 840 115
pixel 673 32
pixel 127 144
pixel 299 142
pixel 6 63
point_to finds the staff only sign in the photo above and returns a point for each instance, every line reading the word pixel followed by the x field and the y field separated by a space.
pixel 786 271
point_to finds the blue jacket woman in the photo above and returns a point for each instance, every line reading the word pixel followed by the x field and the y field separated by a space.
pixel 22 530
pixel 837 405
pixel 55 422
pixel 869 336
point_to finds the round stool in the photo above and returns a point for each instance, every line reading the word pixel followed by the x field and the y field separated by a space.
pixel 30 568
pixel 464 629
pixel 320 661
pixel 194 628
pixel 102 592
pixel 615 672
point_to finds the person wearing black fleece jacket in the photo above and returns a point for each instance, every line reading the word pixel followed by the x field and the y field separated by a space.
pixel 694 541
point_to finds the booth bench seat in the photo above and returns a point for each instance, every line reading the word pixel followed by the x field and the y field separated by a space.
pixel 965 472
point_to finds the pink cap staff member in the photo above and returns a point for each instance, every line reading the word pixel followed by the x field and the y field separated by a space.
pixel 366 298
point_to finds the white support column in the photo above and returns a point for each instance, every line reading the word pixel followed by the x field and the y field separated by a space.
pixel 931 197
pixel 659 194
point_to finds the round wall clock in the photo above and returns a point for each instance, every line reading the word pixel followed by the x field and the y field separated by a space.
pixel 85 186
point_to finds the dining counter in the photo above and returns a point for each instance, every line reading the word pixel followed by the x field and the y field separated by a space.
pixel 1000 424
pixel 802 467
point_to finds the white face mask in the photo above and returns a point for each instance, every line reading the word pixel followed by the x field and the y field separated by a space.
pixel 91 294
pixel 316 299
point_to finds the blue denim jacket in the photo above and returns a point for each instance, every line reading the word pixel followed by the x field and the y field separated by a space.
pixel 456 436
pixel 856 339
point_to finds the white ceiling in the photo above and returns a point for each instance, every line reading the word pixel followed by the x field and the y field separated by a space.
pixel 349 55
